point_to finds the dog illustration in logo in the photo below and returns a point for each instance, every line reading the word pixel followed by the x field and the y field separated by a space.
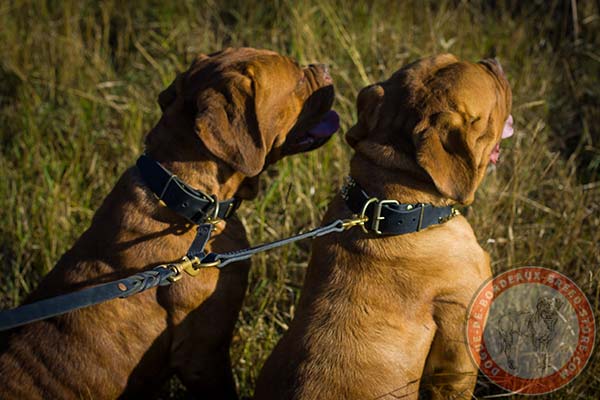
pixel 538 326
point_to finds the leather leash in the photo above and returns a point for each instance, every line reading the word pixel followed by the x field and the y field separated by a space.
pixel 192 204
pixel 365 209
pixel 161 275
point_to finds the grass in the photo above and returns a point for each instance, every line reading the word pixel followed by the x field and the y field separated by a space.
pixel 78 89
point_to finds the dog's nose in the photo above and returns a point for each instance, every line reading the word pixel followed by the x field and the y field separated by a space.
pixel 324 72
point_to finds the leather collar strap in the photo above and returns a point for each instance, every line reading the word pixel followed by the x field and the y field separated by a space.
pixel 192 204
pixel 389 217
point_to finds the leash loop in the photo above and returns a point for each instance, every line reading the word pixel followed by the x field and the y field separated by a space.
pixel 158 276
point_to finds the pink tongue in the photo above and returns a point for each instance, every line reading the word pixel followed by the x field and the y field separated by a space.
pixel 495 155
pixel 507 132
pixel 508 128
pixel 327 127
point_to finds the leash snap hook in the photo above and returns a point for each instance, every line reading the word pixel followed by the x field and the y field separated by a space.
pixel 185 265
pixel 191 266
pixel 356 220
pixel 197 263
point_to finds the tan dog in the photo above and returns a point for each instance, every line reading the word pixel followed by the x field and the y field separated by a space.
pixel 377 313
pixel 224 119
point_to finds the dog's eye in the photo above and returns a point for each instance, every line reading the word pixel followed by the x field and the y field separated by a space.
pixel 474 120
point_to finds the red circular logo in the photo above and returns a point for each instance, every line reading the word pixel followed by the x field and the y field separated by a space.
pixel 530 330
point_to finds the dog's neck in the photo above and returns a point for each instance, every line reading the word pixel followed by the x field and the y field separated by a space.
pixel 205 175
pixel 185 156
pixel 408 186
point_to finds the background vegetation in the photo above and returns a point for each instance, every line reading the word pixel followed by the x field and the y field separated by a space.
pixel 78 88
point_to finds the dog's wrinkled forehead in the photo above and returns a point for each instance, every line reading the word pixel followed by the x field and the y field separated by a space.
pixel 243 103
pixel 440 113
pixel 444 83
pixel 254 64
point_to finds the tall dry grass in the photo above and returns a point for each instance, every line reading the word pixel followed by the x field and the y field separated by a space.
pixel 79 80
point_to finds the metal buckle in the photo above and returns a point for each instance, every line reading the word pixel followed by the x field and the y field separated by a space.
pixel 422 205
pixel 160 198
pixel 364 210
pixel 376 215
pixel 377 218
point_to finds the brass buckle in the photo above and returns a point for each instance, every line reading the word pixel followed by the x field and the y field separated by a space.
pixel 377 216
pixel 160 197
pixel 421 216
pixel 364 210
pixel 171 179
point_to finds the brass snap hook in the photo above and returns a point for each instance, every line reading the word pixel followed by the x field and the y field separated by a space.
pixel 356 220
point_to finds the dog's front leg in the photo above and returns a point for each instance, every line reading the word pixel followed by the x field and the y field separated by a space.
pixel 449 372
pixel 210 376
pixel 200 357
pixel 202 336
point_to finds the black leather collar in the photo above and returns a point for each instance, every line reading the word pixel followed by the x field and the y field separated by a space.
pixel 192 204
pixel 389 217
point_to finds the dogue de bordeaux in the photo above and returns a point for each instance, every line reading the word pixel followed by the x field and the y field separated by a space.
pixel 383 316
pixel 224 119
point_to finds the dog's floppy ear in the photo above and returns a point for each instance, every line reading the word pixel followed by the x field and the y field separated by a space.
pixel 175 89
pixel 228 126
pixel 368 105
pixel 168 96
pixel 444 152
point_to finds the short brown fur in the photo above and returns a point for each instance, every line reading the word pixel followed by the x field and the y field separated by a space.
pixel 242 104
pixel 384 317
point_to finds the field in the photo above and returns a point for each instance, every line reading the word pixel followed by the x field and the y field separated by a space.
pixel 78 89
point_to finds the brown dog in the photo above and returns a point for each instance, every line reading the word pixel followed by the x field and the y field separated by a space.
pixel 378 313
pixel 224 119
